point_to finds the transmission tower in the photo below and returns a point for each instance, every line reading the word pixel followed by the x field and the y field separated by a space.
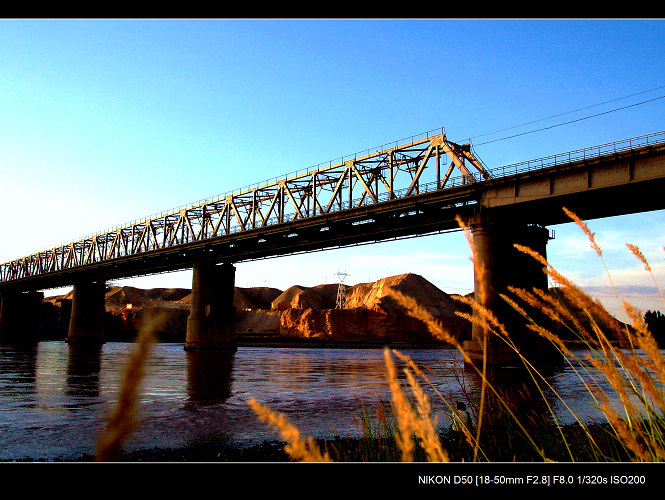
pixel 341 291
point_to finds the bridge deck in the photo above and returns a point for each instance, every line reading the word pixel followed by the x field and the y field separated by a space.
pixel 404 190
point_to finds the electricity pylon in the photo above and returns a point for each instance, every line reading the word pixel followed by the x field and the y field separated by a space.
pixel 341 291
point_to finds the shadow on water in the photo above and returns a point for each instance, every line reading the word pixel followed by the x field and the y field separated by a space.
pixel 516 415
pixel 83 368
pixel 209 376
pixel 55 396
pixel 18 368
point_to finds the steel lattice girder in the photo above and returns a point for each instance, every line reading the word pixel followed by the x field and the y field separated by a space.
pixel 398 172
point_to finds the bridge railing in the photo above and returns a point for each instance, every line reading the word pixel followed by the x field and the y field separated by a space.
pixel 580 154
pixel 361 180
pixel 506 170
pixel 457 180
pixel 319 167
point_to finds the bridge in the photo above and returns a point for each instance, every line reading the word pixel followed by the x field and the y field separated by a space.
pixel 416 187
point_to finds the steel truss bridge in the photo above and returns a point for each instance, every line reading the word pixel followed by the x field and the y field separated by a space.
pixel 414 188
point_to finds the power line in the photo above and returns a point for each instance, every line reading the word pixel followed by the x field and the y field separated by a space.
pixel 569 112
pixel 568 122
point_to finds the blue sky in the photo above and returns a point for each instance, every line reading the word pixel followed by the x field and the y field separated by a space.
pixel 106 121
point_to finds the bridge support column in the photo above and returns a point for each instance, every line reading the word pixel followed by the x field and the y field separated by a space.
pixel 88 308
pixel 502 265
pixel 20 315
pixel 210 323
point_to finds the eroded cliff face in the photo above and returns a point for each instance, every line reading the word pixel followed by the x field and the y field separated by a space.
pixel 371 311
pixel 351 324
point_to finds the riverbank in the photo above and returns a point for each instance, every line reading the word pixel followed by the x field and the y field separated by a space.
pixel 371 312
pixel 270 339
pixel 292 342
pixel 567 445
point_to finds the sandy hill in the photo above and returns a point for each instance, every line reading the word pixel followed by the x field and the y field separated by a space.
pixel 298 297
pixel 371 311
pixel 380 295
pixel 168 294
pixel 121 296
pixel 256 297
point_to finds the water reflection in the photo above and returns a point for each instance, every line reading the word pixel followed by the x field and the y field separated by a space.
pixel 55 398
pixel 18 369
pixel 209 376
pixel 522 393
pixel 517 396
pixel 83 367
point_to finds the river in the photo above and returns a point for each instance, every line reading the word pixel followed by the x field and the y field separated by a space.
pixel 54 399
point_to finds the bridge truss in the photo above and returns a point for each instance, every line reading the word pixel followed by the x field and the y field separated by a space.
pixel 427 164
pixel 416 187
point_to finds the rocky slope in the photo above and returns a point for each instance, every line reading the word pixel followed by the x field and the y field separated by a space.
pixel 371 312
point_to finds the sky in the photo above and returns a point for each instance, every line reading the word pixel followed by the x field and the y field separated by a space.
pixel 106 121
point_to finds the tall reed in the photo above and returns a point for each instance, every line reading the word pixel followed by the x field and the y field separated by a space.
pixel 624 356
pixel 621 367
pixel 297 448
pixel 124 418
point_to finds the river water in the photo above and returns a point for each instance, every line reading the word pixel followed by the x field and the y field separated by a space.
pixel 54 397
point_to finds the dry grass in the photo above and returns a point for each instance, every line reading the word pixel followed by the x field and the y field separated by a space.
pixel 124 418
pixel 623 357
pixel 410 422
pixel 302 450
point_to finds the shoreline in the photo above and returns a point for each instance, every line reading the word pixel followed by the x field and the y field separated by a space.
pixel 343 344
pixel 275 341
pixel 368 450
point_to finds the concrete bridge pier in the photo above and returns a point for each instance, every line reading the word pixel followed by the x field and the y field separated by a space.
pixel 20 315
pixel 88 309
pixel 210 325
pixel 502 265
